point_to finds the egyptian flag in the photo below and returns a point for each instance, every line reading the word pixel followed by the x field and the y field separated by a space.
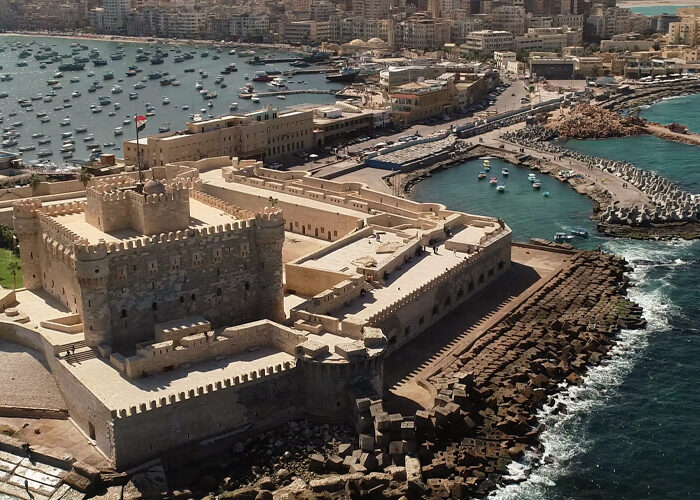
pixel 140 122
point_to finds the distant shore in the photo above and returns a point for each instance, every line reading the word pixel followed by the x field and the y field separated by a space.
pixel 151 40
pixel 658 3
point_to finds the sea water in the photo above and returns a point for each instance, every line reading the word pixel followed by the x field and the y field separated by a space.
pixel 632 430
pixel 655 10
pixel 672 109
pixel 32 80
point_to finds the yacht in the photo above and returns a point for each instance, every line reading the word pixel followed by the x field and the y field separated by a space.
pixel 75 93
pixel 505 172
pixel 81 130
pixel 133 96
pixel 116 89
pixel 278 83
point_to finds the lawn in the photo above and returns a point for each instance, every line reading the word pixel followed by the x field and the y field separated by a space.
pixel 6 256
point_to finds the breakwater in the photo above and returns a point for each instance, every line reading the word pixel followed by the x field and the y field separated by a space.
pixel 671 212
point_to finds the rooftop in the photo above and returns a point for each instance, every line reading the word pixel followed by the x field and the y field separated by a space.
pixel 201 215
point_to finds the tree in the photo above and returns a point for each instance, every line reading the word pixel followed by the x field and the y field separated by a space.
pixel 34 182
pixel 84 176
pixel 273 201
pixel 14 267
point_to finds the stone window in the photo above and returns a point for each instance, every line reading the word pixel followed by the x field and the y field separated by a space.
pixel 470 287
pixel 121 273
pixel 245 249
pixel 123 313
pixel 154 306
pixel 196 258
pixel 421 320
pixel 481 278
pixel 491 272
pixel 247 285
pixel 436 310
pixel 500 265
pixel 152 267
pixel 174 262
pixel 217 255
pixel 218 292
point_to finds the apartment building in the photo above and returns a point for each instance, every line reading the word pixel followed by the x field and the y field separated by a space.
pixel 115 14
pixel 250 26
pixel 305 32
pixel 509 18
pixel 267 134
pixel 418 101
pixel 548 39
pixel 489 40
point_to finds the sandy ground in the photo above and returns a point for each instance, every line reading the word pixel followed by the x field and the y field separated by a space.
pixel 26 382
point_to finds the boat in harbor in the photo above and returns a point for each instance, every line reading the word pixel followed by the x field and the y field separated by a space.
pixel 44 153
pixel 255 98
pixel 116 89
pixel 139 85
pixel 247 91
pixel 562 237
pixel 493 181
pixel 80 130
pixel 278 83
pixel 545 194
pixel 346 75
pixel 262 76
pixel 38 135
pixel 75 93
pixel 108 76
pixel 118 131
pixel 73 66
pixel 536 185
pixel 23 149
pixel 44 141
pixel 65 122
pixel 505 172
pixel 501 188
pixel 232 107
pixel 166 100
pixel 165 127
pixel 481 175
pixel 133 96
pixel 580 232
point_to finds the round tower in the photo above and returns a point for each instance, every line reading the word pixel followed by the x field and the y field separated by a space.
pixel 92 271
pixel 269 238
pixel 26 227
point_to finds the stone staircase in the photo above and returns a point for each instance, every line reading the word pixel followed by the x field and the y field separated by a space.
pixel 75 352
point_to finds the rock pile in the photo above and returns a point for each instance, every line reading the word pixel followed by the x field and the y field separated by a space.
pixel 585 121
pixel 670 203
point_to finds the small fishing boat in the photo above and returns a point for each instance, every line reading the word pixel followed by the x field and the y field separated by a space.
pixel 166 101
pixel 44 141
pixel 44 152
pixel 89 138
pixel 22 149
pixel 562 237
pixel 165 127
pixel 255 98
pixel 38 135
pixel 580 232
pixel 119 130
pixel 536 185
pixel 482 175
pixel 133 96
pixel 546 194
pixel 501 188
pixel 65 122
pixel 505 172
pixel 81 130
pixel 493 181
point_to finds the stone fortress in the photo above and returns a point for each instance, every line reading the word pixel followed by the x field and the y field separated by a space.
pixel 221 297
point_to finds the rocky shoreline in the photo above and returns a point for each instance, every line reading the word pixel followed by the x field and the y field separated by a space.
pixel 483 417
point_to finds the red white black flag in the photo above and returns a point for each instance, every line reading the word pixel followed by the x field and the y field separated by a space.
pixel 140 122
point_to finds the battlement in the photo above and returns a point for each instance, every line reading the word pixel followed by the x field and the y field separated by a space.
pixel 26 209
pixel 58 231
pixel 202 235
pixel 235 383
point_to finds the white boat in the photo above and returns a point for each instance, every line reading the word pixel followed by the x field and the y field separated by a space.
pixel 197 117
pixel 65 122
pixel 118 131
pixel 255 98
pixel 175 83
pixel 75 93
pixel 232 107
pixel 563 237
pixel 500 188
pixel 139 85
pixel 38 135
pixel 278 83
pixel 166 100
pixel 117 89
pixel 96 109
pixel 280 96
pixel 81 130
pixel 505 172
pixel 45 119
pixel 117 106
pixel 185 107
pixel 164 128
pixel 89 138
pixel 198 85
pixel 536 185
pixel 210 104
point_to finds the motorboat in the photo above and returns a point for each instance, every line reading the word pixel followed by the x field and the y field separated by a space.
pixel 505 172
pixel 562 237
pixel 262 76
pixel 166 101
pixel 536 185
pixel 255 98
pixel 75 93
pixel 133 96
pixel 89 138
pixel 493 181
pixel 545 194
pixel 165 127
pixel 580 232
pixel 482 175
pixel 22 149
pixel 232 107
pixel 65 122
pixel 81 130
pixel 278 83
pixel 118 131
pixel 44 141
pixel 501 188
pixel 96 109
pixel 139 85
pixel 116 89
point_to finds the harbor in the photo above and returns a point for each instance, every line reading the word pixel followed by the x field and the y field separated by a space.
pixel 103 85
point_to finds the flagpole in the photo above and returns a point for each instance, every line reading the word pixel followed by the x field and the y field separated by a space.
pixel 138 150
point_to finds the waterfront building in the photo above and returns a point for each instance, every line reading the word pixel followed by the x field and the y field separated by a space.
pixel 306 32
pixel 553 68
pixel 548 39
pixel 250 26
pixel 267 134
pixel 115 15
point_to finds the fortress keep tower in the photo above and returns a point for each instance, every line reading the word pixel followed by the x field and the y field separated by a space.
pixel 129 258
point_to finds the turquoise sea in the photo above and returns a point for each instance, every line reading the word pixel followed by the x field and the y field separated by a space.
pixel 675 109
pixel 655 10
pixel 31 80
pixel 632 431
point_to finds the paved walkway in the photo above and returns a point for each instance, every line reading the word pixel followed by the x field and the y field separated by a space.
pixel 406 370
pixel 31 480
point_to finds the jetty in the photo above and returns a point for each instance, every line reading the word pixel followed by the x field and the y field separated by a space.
pixel 295 91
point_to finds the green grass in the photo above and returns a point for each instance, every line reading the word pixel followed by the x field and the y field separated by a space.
pixel 6 256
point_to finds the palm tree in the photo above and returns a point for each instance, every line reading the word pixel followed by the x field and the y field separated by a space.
pixel 273 201
pixel 14 266
pixel 34 182
pixel 84 176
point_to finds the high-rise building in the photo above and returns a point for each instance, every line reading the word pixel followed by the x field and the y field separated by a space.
pixel 115 13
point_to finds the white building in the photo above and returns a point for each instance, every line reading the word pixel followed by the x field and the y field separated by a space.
pixel 489 41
